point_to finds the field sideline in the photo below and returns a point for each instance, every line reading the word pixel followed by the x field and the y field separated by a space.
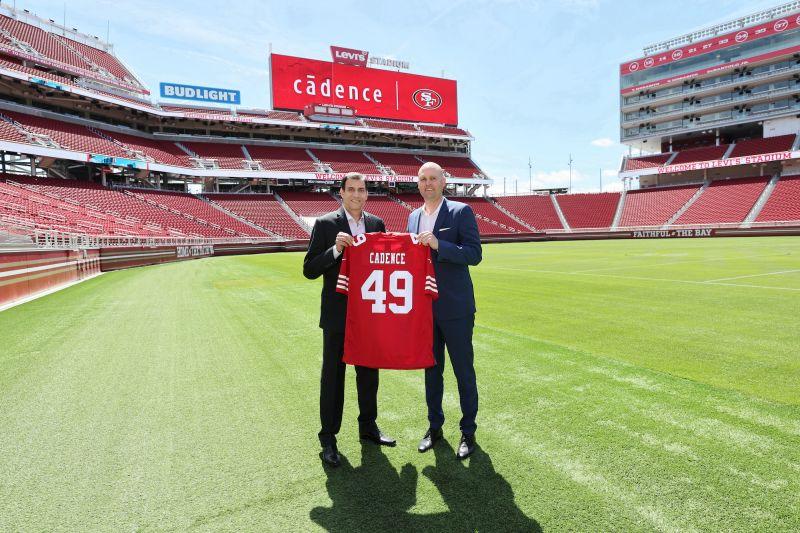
pixel 624 385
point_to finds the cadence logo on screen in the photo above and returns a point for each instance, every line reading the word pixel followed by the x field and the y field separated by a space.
pixel 371 92
pixel 427 99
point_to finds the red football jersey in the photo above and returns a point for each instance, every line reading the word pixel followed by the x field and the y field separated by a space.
pixel 390 308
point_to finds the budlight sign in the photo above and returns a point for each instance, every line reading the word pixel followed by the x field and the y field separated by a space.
pixel 200 94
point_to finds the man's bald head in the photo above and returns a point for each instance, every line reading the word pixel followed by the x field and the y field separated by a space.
pixel 431 182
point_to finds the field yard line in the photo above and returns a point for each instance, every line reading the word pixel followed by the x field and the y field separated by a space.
pixel 754 275
pixel 711 260
pixel 646 266
pixel 643 278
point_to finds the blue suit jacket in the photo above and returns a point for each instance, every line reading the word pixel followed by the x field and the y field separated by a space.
pixel 459 247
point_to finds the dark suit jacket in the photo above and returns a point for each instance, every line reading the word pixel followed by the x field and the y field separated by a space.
pixel 319 261
pixel 459 247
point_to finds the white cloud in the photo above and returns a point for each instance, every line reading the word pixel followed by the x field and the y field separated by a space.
pixel 603 142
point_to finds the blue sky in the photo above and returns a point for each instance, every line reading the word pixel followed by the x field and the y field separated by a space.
pixel 536 79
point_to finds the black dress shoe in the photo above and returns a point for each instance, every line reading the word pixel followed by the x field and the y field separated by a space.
pixel 466 446
pixel 330 455
pixel 378 437
pixel 432 436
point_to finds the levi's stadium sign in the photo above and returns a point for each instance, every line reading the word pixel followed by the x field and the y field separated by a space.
pixel 298 82
pixel 348 56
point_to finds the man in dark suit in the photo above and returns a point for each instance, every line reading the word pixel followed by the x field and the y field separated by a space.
pixel 450 229
pixel 332 233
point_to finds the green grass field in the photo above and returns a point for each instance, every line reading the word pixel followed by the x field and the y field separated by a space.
pixel 624 385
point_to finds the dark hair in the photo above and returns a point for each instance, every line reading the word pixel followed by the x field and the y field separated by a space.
pixel 350 176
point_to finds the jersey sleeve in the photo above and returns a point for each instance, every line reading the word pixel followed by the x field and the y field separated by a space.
pixel 431 288
pixel 343 282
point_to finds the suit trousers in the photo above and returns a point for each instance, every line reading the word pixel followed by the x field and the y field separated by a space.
pixel 331 390
pixel 456 334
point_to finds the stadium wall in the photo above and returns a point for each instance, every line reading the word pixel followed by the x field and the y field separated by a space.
pixel 27 273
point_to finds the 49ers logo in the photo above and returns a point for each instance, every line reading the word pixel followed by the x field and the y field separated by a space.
pixel 427 99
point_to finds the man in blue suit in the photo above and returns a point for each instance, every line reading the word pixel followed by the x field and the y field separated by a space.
pixel 450 229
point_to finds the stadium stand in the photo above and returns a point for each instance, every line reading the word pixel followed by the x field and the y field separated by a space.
pixel 310 204
pixel 705 153
pixel 20 37
pixel 724 201
pixel 68 136
pixel 200 210
pixel 654 207
pixel 636 163
pixel 279 158
pixel 123 204
pixel 346 161
pixel 460 167
pixel 784 202
pixel 450 130
pixel 271 115
pixel 490 219
pixel 590 210
pixel 389 125
pixel 165 152
pixel 47 211
pixel 228 156
pixel 401 164
pixel 536 210
pixel 263 210
pixel 763 146
pixel 394 214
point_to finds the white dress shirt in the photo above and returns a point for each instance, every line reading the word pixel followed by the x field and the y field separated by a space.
pixel 357 227
pixel 426 221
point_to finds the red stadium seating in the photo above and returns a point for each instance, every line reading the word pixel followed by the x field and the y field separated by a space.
pixel 125 205
pixel 47 211
pixel 211 113
pixel 490 218
pixel 402 164
pixel 784 202
pixel 263 210
pixel 654 207
pixel 589 210
pixel 199 209
pixel 394 215
pixel 724 201
pixel 102 59
pixel 228 156
pixel 535 210
pixel 68 136
pixel 310 204
pixel 285 159
pixel 272 115
pixel 389 125
pixel 166 152
pixel 346 161
pixel 449 130
pixel 65 51
pixel 763 146
pixel 706 153
pixel 460 167
pixel 649 161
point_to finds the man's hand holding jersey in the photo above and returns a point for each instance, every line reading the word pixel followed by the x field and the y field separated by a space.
pixel 428 239
pixel 343 240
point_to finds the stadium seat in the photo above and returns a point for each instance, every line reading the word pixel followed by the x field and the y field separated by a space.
pixel 263 210
pixel 589 210
pixel 724 201
pixel 784 202
pixel 536 210
pixel 346 161
pixel 654 207
pixel 763 146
